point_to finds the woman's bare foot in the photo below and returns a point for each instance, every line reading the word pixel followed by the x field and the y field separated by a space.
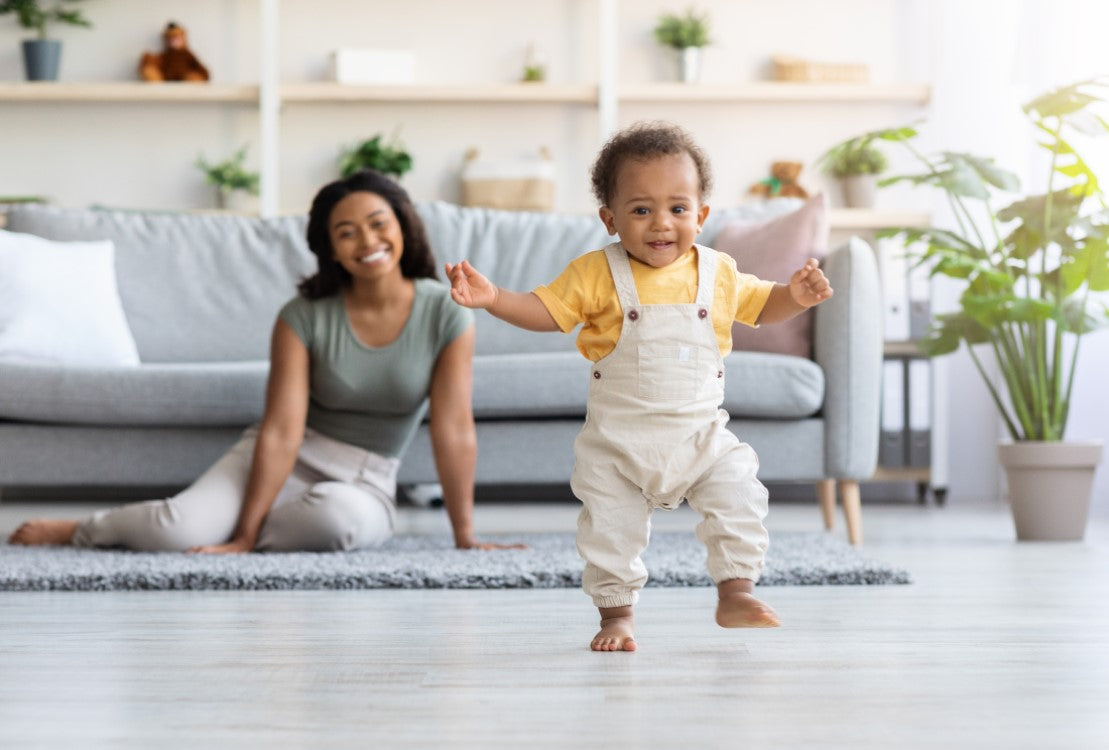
pixel 617 631
pixel 738 607
pixel 44 531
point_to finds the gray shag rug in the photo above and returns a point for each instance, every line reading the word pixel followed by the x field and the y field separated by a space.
pixel 423 562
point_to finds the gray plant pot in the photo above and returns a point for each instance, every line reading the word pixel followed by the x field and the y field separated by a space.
pixel 41 58
pixel 1050 484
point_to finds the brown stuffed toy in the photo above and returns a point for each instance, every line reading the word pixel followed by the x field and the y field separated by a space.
pixel 175 62
pixel 782 182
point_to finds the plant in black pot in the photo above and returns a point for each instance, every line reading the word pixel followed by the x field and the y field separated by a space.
pixel 42 55
pixel 388 158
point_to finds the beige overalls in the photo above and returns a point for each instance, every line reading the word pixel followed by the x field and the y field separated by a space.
pixel 654 435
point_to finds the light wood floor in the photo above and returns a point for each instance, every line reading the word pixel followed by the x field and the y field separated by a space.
pixel 995 645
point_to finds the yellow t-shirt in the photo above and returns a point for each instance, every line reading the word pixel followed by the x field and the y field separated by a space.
pixel 585 293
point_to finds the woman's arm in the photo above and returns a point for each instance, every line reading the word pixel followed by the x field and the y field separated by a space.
pixel 454 439
pixel 279 437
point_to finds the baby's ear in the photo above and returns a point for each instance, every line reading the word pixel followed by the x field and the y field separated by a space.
pixel 608 219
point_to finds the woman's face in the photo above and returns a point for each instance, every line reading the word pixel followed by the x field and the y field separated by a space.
pixel 366 236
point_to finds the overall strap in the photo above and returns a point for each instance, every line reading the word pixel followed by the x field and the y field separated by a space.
pixel 622 277
pixel 706 274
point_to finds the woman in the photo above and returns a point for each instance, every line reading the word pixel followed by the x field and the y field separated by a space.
pixel 356 358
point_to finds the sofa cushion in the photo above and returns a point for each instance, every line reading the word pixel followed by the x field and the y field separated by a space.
pixel 201 394
pixel 772 386
pixel 195 287
pixel 541 384
pixel 556 384
pixel 773 250
pixel 59 303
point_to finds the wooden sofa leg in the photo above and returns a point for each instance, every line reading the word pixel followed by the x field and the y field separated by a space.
pixel 852 510
pixel 826 494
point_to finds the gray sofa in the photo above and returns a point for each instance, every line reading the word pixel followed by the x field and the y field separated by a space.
pixel 201 292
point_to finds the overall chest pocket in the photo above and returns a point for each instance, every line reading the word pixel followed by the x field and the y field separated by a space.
pixel 669 372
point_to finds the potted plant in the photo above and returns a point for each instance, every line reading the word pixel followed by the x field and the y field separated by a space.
pixel 1031 270
pixel 855 164
pixel 388 158
pixel 42 55
pixel 229 177
pixel 686 33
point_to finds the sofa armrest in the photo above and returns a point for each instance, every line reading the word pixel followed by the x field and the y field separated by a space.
pixel 848 345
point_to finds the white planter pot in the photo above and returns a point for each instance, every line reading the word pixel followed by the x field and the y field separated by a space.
pixel 859 190
pixel 1050 484
pixel 689 64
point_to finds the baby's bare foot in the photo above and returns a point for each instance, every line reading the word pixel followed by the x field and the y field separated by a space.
pixel 44 531
pixel 738 607
pixel 742 610
pixel 617 631
pixel 616 634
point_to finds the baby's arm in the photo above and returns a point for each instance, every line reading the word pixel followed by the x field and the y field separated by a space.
pixel 808 286
pixel 470 289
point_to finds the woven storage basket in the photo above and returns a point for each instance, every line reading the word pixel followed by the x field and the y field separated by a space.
pixel 524 185
pixel 795 70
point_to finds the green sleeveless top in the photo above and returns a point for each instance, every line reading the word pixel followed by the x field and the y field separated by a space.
pixel 374 397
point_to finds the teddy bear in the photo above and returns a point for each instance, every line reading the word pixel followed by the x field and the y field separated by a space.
pixel 175 62
pixel 782 182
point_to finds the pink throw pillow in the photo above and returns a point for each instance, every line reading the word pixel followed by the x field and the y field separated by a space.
pixel 773 250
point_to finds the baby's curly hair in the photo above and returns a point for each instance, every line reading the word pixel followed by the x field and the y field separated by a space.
pixel 642 141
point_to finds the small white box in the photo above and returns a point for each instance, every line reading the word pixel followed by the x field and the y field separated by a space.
pixel 370 66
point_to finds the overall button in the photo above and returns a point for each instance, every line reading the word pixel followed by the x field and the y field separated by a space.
pixel 702 313
pixel 633 315
pixel 719 373
pixel 596 375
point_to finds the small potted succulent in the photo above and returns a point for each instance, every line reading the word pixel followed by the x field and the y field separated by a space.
pixel 230 177
pixel 388 158
pixel 856 164
pixel 42 55
pixel 686 33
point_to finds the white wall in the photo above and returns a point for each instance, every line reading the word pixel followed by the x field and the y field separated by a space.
pixel 983 58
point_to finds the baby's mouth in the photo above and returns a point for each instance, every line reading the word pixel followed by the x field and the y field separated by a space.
pixel 659 245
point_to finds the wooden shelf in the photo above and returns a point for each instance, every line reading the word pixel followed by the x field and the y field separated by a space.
pixel 461 94
pixel 771 91
pixel 128 91
pixel 869 218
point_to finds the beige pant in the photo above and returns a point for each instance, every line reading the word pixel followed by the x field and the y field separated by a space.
pixel 338 497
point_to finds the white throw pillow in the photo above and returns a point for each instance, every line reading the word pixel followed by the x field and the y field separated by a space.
pixel 59 303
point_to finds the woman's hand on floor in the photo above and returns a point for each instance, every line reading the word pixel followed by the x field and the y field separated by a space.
pixel 475 544
pixel 234 547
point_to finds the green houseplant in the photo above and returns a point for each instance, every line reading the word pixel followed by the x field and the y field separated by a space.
pixel 856 164
pixel 686 33
pixel 229 176
pixel 41 55
pixel 388 158
pixel 1031 266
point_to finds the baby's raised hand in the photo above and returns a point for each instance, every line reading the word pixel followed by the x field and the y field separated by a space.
pixel 808 285
pixel 468 287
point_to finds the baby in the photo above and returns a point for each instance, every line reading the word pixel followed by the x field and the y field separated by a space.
pixel 656 312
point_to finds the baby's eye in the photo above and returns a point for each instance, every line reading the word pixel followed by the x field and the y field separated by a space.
pixel 640 211
pixel 679 209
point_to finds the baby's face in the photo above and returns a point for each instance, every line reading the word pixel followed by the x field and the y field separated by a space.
pixel 657 209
